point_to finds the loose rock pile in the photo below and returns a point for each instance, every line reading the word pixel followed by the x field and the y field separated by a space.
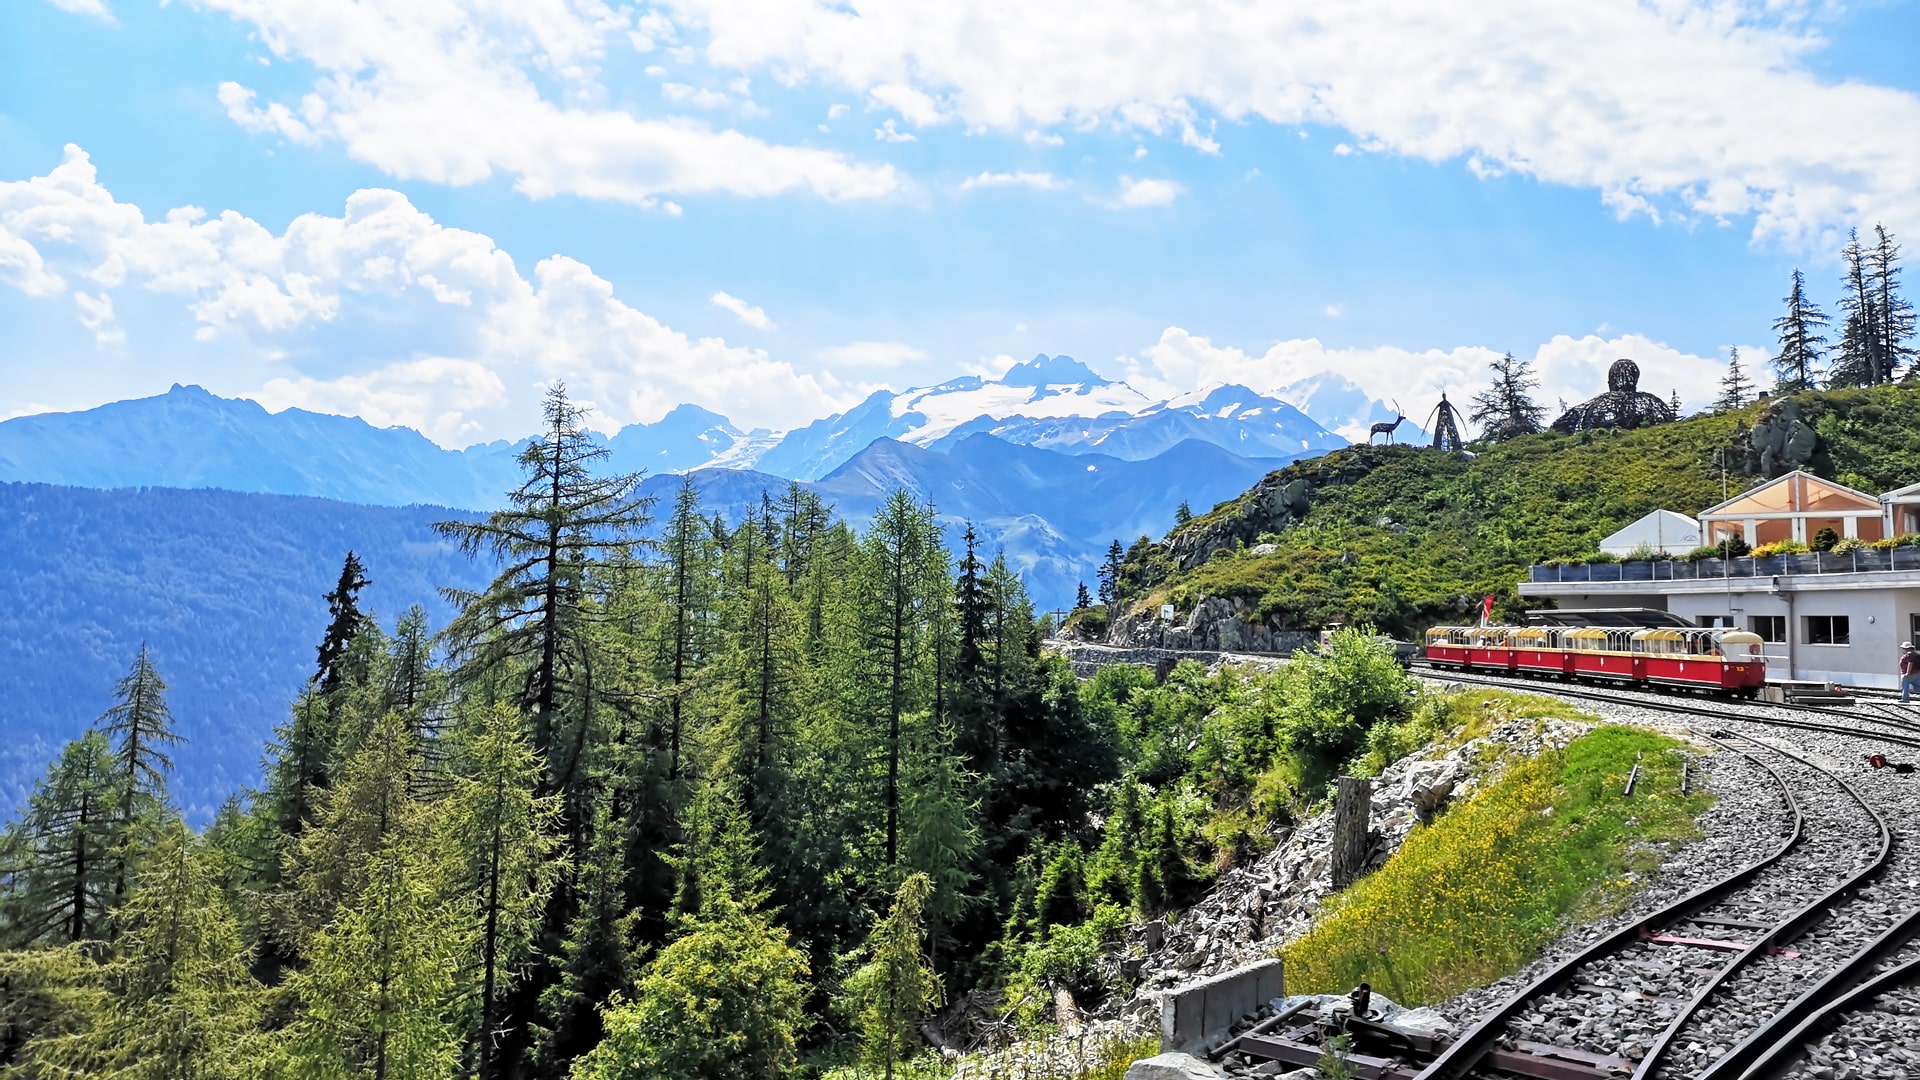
pixel 1257 908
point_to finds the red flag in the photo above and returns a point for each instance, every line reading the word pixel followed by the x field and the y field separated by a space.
pixel 1486 611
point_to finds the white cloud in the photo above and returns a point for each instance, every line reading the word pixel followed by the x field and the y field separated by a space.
pixel 1571 368
pixel 1190 136
pixel 888 133
pixel 747 313
pixel 697 96
pixel 1331 311
pixel 870 354
pixel 1691 102
pixel 96 8
pixel 452 92
pixel 1039 180
pixel 319 301
pixel 836 111
pixel 1148 192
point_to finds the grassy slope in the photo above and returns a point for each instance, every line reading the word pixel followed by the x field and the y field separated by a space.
pixel 1475 895
pixel 1407 537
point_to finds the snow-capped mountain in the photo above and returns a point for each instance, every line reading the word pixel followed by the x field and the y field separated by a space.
pixel 1056 403
pixel 1340 406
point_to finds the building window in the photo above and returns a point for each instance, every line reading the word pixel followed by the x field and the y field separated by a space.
pixel 1713 621
pixel 1827 630
pixel 1769 627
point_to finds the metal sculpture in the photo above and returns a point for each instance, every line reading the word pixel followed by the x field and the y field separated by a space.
pixel 1444 422
pixel 1387 429
pixel 1622 406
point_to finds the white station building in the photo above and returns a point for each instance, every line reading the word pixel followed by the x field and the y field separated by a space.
pixel 1825 617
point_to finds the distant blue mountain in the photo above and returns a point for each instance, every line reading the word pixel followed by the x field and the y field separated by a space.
pixel 188 438
pixel 226 588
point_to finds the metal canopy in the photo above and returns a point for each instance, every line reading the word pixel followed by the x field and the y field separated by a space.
pixel 1614 617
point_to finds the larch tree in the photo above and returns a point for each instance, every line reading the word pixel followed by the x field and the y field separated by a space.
pixel 896 986
pixel 1506 409
pixel 688 590
pixel 345 619
pixel 384 928
pixel 500 841
pixel 179 1002
pixel 1862 360
pixel 534 619
pixel 59 870
pixel 1735 390
pixel 139 729
pixel 1896 315
pixel 1797 364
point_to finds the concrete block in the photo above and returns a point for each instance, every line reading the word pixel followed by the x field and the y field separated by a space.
pixel 1195 1016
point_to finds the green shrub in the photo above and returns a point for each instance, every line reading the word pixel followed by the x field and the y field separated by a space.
pixel 1849 544
pixel 1825 539
pixel 1780 547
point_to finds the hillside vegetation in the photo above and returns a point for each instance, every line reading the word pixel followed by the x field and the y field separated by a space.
pixel 1405 537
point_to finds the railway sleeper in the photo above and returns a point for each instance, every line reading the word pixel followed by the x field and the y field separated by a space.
pixel 1381 1051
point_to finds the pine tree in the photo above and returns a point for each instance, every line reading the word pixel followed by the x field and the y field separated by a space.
pixel 533 622
pixel 1735 390
pixel 1182 513
pixel 1673 402
pixel 500 842
pixel 140 728
pixel 969 598
pixel 896 986
pixel 413 686
pixel 1895 312
pixel 1797 365
pixel 1861 361
pixel 344 610
pixel 1082 599
pixel 941 837
pixel 1110 571
pixel 1506 410
pixel 59 868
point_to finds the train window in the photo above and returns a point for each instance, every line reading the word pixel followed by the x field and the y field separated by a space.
pixel 1828 630
pixel 1769 627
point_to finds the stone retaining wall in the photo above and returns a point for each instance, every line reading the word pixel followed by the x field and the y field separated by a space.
pixel 1197 1015
pixel 1087 659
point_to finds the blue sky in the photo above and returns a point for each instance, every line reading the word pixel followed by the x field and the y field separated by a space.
pixel 771 207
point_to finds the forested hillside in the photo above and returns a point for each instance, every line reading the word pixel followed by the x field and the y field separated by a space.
pixel 225 588
pixel 1406 536
pixel 750 800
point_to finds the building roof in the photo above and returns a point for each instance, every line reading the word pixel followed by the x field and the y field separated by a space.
pixel 1661 530
pixel 1797 492
pixel 1910 493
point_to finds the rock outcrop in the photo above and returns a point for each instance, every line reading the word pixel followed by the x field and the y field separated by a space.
pixel 1259 907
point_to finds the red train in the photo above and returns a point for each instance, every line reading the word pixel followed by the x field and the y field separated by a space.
pixel 1715 661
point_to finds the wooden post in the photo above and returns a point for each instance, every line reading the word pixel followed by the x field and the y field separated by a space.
pixel 1352 829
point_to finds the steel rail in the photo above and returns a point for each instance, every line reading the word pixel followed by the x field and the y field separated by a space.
pixel 1776 1060
pixel 1639 700
pixel 1466 1051
pixel 1762 1039
pixel 1761 1036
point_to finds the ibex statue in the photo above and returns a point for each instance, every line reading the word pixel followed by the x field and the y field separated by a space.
pixel 1387 429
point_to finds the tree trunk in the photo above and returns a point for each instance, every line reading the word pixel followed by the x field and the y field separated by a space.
pixel 1352 829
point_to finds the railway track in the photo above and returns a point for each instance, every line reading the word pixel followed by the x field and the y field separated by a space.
pixel 1831 967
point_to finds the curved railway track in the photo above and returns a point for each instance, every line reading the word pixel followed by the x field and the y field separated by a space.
pixel 1815 935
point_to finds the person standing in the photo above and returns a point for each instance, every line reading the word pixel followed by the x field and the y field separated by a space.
pixel 1909 671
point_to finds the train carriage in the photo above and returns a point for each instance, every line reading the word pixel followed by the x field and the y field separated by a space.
pixel 1712 660
pixel 1536 650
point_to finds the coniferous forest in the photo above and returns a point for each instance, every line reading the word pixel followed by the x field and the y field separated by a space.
pixel 744 799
